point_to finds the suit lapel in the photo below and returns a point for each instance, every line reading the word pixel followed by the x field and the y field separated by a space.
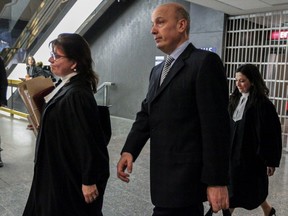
pixel 159 73
pixel 154 81
pixel 175 69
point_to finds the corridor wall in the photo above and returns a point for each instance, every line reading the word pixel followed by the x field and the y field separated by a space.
pixel 124 50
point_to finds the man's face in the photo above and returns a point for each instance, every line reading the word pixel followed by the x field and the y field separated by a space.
pixel 165 29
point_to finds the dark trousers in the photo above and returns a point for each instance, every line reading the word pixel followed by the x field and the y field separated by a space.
pixel 195 210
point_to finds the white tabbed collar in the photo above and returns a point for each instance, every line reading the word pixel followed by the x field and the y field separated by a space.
pixel 65 80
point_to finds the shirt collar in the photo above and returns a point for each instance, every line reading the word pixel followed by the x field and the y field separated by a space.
pixel 68 77
pixel 245 94
pixel 177 52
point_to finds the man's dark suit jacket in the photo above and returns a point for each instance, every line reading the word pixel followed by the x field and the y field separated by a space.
pixel 187 121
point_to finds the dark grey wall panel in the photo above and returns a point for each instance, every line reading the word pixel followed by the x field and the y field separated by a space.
pixel 207 28
pixel 124 51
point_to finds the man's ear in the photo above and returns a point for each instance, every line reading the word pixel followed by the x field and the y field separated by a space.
pixel 182 25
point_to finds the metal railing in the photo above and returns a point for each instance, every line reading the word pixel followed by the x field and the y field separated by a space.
pixel 13 99
pixel 104 89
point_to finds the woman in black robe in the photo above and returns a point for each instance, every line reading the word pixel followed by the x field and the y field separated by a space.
pixel 71 158
pixel 256 145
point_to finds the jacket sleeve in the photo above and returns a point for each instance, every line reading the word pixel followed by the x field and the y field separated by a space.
pixel 212 100
pixel 270 148
pixel 86 139
pixel 140 131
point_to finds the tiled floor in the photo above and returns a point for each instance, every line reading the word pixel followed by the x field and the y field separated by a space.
pixel 121 199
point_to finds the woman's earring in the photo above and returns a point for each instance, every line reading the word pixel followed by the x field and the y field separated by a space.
pixel 75 70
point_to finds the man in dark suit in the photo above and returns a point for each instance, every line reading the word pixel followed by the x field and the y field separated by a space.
pixel 187 121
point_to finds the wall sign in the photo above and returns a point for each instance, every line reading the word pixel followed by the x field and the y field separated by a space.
pixel 211 49
pixel 275 35
pixel 159 59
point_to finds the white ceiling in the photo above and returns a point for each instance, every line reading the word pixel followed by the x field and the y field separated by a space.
pixel 231 7
pixel 239 7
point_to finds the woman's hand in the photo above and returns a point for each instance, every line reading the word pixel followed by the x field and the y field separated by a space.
pixel 90 193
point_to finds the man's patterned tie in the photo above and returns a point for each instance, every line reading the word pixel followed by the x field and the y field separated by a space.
pixel 166 68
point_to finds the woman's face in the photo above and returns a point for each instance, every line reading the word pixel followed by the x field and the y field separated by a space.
pixel 30 61
pixel 242 83
pixel 61 65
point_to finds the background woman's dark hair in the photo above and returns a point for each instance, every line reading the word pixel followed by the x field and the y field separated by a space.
pixel 76 48
pixel 258 90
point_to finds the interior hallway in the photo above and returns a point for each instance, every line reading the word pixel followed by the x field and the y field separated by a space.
pixel 121 199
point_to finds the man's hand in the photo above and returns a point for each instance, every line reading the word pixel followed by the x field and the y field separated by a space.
pixel 125 162
pixel 90 193
pixel 218 197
